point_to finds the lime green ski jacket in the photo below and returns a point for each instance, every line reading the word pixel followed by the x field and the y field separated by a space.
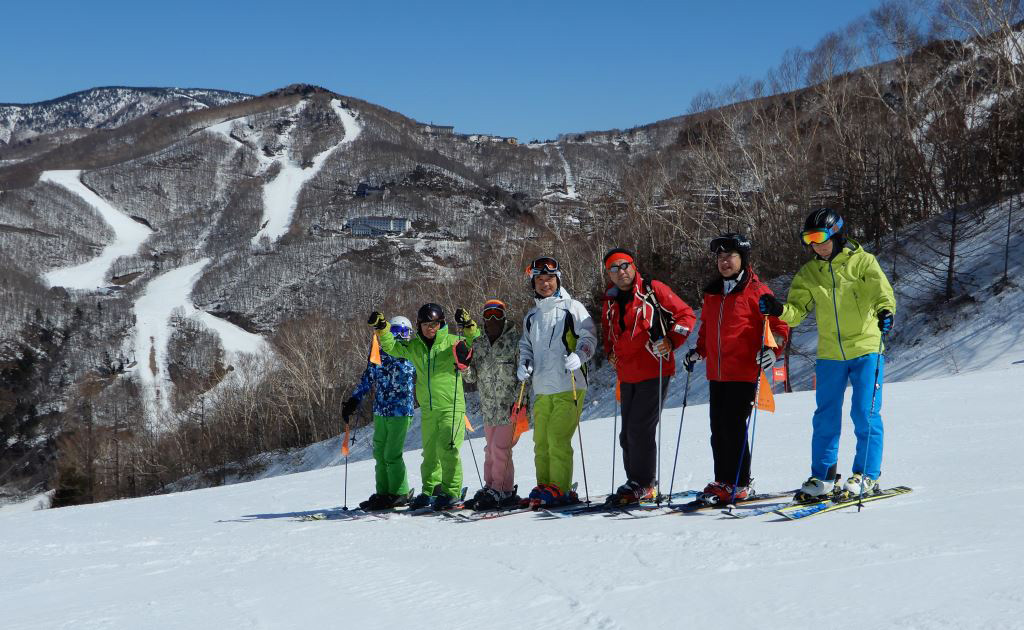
pixel 847 293
pixel 436 385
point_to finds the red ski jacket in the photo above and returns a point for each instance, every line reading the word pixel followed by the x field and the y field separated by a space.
pixel 627 334
pixel 731 326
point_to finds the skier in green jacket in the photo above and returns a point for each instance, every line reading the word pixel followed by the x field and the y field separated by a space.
pixel 440 395
pixel 853 305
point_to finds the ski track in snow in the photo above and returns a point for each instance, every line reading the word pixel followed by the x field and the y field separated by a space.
pixel 281 195
pixel 128 236
pixel 235 556
pixel 570 181
pixel 153 309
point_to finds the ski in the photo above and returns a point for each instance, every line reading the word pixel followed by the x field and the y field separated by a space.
pixel 755 510
pixel 508 511
pixel 614 509
pixel 794 512
pixel 698 505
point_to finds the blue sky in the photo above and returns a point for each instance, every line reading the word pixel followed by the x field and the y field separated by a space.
pixel 528 69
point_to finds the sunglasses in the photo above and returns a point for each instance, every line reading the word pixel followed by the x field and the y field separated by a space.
pixel 622 267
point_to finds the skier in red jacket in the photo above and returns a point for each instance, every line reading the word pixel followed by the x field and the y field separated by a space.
pixel 643 323
pixel 730 340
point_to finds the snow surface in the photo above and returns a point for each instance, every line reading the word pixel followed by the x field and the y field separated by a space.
pixel 945 556
pixel 570 181
pixel 281 194
pixel 153 310
pixel 128 236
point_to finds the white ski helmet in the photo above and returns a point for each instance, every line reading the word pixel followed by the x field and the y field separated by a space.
pixel 401 327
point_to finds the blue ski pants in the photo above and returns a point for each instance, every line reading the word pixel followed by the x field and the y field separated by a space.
pixel 832 377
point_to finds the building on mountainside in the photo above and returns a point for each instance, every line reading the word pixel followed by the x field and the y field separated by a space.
pixel 482 137
pixel 378 226
pixel 437 130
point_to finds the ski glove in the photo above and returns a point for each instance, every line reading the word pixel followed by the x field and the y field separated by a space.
pixel 348 408
pixel 463 354
pixel 884 321
pixel 377 321
pixel 463 319
pixel 524 371
pixel 661 348
pixel 572 361
pixel 691 358
pixel 766 358
pixel 768 305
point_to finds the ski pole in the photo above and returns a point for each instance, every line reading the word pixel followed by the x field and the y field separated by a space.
pixel 469 437
pixel 751 425
pixel 579 429
pixel 871 411
pixel 679 436
pixel 660 386
pixel 615 431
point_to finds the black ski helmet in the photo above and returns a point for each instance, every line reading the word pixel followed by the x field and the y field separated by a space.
pixel 824 219
pixel 430 312
pixel 732 242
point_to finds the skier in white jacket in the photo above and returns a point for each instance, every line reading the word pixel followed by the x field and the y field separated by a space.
pixel 559 338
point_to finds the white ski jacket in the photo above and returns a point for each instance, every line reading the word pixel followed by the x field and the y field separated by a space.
pixel 551 330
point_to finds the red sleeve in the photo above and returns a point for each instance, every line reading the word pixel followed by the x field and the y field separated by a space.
pixel 681 313
pixel 701 343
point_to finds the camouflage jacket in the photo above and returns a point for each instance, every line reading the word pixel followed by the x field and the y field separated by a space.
pixel 494 372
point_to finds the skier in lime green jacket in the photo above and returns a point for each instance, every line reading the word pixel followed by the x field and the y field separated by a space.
pixel 853 305
pixel 439 392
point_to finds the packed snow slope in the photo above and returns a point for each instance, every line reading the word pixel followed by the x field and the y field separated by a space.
pixel 945 556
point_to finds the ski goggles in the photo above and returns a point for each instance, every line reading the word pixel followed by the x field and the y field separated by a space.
pixel 622 267
pixel 494 309
pixel 819 236
pixel 401 332
pixel 543 266
pixel 724 244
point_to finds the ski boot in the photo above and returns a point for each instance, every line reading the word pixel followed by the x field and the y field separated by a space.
pixel 377 502
pixel 719 493
pixel 443 502
pixel 401 500
pixel 421 501
pixel 485 499
pixel 510 500
pixel 857 483
pixel 814 489
pixel 550 495
pixel 631 492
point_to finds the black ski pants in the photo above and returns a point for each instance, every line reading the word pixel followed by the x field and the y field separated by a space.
pixel 639 427
pixel 731 404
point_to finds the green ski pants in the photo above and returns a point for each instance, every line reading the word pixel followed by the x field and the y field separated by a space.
pixel 442 460
pixel 388 446
pixel 555 417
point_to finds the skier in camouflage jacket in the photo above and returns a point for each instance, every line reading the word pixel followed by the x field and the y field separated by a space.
pixel 495 357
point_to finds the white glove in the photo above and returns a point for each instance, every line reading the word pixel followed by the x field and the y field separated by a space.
pixel 524 371
pixel 572 361
pixel 766 358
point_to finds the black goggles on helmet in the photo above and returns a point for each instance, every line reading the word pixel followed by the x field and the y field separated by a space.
pixel 729 244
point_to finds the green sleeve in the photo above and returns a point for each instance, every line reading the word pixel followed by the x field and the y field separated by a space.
pixel 881 291
pixel 799 301
pixel 471 333
pixel 392 346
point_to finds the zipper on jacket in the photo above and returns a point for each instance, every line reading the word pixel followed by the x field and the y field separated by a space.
pixel 430 391
pixel 721 314
pixel 835 309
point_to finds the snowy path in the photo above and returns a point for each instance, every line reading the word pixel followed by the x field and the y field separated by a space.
pixel 128 236
pixel 570 181
pixel 165 293
pixel 234 557
pixel 281 195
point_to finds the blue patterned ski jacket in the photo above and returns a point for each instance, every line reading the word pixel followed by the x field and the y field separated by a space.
pixel 394 379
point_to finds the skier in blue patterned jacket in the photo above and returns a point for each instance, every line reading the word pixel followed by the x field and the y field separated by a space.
pixel 394 381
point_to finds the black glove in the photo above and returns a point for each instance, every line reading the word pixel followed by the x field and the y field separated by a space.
pixel 348 408
pixel 768 305
pixel 884 321
pixel 463 319
pixel 377 321
pixel 691 359
pixel 463 354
